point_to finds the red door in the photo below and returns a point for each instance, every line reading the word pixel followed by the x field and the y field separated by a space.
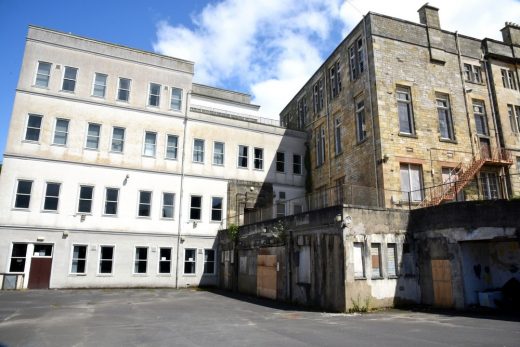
pixel 40 273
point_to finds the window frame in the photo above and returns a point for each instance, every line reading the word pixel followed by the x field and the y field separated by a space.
pixel 363 268
pixel 169 261
pixel 408 102
pixel 100 260
pixel 27 127
pixel 410 181
pixel 241 156
pixel 212 209
pixel 172 89
pixel 48 77
pixel 175 148
pixel 163 205
pixel 145 144
pixel 84 273
pixel 140 203
pixel 338 148
pixel 215 153
pixel 194 261
pixel 392 247
pixel 105 201
pixel 103 86
pixel 119 89
pixel 361 131
pixel 122 142
pixel 259 160
pixel 11 257
pixel 57 197
pixel 158 96
pixel 98 137
pixel 214 261
pixel 446 108
pixel 297 165
pixel 320 146
pixel 199 208
pixel 56 131
pixel 480 114
pixel 25 194
pixel 68 79
pixel 135 262
pixel 80 199
pixel 201 152
pixel 377 246
pixel 280 162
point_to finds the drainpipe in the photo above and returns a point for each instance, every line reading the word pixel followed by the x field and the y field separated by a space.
pixel 465 94
pixel 371 114
pixel 181 191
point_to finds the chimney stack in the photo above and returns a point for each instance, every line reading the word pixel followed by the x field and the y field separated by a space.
pixel 511 34
pixel 429 16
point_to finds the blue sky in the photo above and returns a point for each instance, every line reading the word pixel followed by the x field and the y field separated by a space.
pixel 268 48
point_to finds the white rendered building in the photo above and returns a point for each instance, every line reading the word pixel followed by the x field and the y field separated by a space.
pixel 119 171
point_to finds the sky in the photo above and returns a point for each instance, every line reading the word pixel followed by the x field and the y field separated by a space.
pixel 267 48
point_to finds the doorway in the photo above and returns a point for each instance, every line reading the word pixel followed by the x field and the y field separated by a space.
pixel 441 278
pixel 41 264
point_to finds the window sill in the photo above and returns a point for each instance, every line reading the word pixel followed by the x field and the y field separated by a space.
pixel 31 141
pixel 83 213
pixel 281 172
pixel 413 136
pixel 109 215
pixel 148 156
pixel 58 145
pixel 77 275
pixel 153 106
pixel 360 142
pixel 377 278
pixel 209 274
pixel 115 152
pixel 176 111
pixel 104 275
pixel 171 159
pixel 144 217
pixel 92 149
pixel 21 209
pixel 40 87
pixel 140 275
pixel 49 211
pixel 167 219
pixel 164 275
pixel 393 277
pixel 197 162
pixel 475 83
pixel 215 221
pixel 66 91
pixel 259 170
pixel 442 139
pixel 123 101
pixel 189 275
pixel 98 97
pixel 242 168
pixel 360 278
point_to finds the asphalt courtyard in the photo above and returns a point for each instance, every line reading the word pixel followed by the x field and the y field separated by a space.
pixel 163 317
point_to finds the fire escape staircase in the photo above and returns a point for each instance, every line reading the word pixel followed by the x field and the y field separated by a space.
pixel 464 174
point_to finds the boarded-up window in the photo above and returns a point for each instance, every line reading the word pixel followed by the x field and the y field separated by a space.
pixel 391 259
pixel 359 268
pixel 242 267
pixel 375 252
pixel 304 265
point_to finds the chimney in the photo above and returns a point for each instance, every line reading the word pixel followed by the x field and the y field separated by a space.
pixel 429 16
pixel 511 34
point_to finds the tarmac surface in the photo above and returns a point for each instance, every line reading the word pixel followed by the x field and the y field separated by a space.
pixel 166 317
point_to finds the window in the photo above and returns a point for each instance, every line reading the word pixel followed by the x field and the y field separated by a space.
pixel 118 140
pixel 243 152
pixel 508 79
pixel 209 261
pixel 85 199
pixel 489 184
pixel 165 260
pixel 168 205
pixel 176 99
pixel 359 263
pixel 106 258
pixel 93 134
pixel 259 158
pixel 302 112
pixel 172 146
pixel 304 265
pixel 123 91
pixel 360 120
pixel 18 257
pixel 154 97
pixel 69 79
pixel 145 204
pixel 61 131
pixel 320 146
pixel 335 80
pixel 198 151
pixel 518 164
pixel 195 207
pixel 391 259
pixel 79 259
pixel 111 199
pixel 216 209
pixel 357 59
pixel 189 260
pixel 23 194
pixel 280 209
pixel 34 125
pixel 52 196
pixel 514 117
pixel 472 73
pixel 280 162
pixel 150 141
pixel 43 74
pixel 297 164
pixel 218 153
pixel 445 120
pixel 317 96
pixel 100 85
pixel 411 182
pixel 337 135
pixel 480 117
pixel 140 260
pixel 375 253
pixel 404 111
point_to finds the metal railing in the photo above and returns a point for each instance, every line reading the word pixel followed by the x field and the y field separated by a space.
pixel 235 115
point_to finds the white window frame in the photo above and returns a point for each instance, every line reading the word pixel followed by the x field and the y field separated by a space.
pixel 56 131
pixel 299 165
pixel 98 137
pixel 105 201
pixel 223 153
pixel 156 95
pixel 102 86
pixel 98 271
pixel 164 261
pixel 112 139
pixel 443 105
pixel 201 152
pixel 281 162
pixel 134 263
pixel 416 195
pixel 48 77
pixel 194 273
pixel 68 79
pixel 260 160
pixel 72 259
pixel 391 247
pixel 168 147
pixel 200 208
pixel 240 156
pixel 45 196
pixel 214 261
pixel 27 127
pixel 11 257
pixel 16 194
pixel 373 275
pixel 221 209
pixel 172 206
pixel 145 145
pixel 179 100
pixel 139 203
pixel 479 111
pixel 91 200
pixel 120 89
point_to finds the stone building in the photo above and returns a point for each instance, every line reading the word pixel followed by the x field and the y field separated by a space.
pixel 399 107
pixel 119 170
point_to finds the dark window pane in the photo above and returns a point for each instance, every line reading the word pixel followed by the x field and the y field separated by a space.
pixel 141 253
pixel 167 212
pixel 34 121
pixel 17 265
pixel 32 134
pixel 51 204
pixel 189 254
pixel 22 201
pixel 85 206
pixel 24 187
pixel 194 213
pixel 86 192
pixel 164 267
pixel 19 250
pixel 140 267
pixel 209 268
pixel 196 201
pixel 189 268
pixel 112 194
pixel 105 267
pixel 43 250
pixel 209 255
pixel 168 199
pixel 166 253
pixel 144 210
pixel 111 208
pixel 216 215
pixel 53 189
pixel 107 252
pixel 145 197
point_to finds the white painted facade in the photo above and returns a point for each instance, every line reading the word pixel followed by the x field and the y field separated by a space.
pixel 209 114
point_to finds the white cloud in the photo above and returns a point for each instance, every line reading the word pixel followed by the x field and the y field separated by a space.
pixel 270 48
